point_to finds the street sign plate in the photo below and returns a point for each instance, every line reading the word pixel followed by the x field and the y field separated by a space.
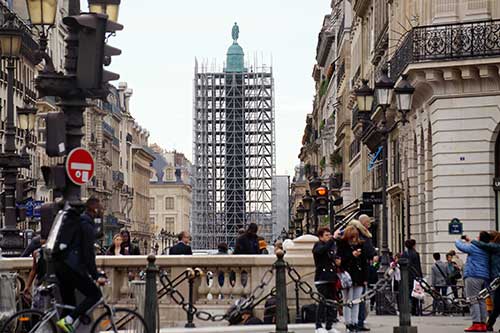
pixel 80 166
pixel 374 198
pixel 455 227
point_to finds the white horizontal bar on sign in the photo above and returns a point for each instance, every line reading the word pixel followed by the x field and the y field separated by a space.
pixel 81 166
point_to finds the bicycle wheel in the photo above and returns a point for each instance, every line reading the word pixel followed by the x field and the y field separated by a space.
pixel 28 321
pixel 120 320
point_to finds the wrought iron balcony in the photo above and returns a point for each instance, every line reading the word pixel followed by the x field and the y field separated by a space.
pixel 107 128
pixel 447 42
pixel 118 177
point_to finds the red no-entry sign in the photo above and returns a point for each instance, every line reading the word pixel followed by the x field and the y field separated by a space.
pixel 80 166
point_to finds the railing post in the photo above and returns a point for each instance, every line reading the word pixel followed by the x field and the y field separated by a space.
pixel 404 300
pixel 281 302
pixel 298 313
pixel 190 315
pixel 151 299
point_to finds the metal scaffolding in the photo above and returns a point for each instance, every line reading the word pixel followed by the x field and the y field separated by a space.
pixel 233 154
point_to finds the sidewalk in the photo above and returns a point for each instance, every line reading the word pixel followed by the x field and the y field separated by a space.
pixel 378 324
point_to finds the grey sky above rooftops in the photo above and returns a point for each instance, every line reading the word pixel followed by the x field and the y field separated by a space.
pixel 161 40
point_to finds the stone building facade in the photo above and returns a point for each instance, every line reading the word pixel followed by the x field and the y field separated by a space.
pixel 170 193
pixel 441 165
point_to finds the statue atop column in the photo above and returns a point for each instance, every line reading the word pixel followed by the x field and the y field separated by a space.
pixel 236 32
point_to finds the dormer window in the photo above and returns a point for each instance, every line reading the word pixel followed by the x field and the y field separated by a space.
pixel 169 174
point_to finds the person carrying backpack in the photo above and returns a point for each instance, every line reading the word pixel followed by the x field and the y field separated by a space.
pixel 76 267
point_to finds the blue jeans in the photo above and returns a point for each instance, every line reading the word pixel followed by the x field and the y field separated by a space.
pixel 362 312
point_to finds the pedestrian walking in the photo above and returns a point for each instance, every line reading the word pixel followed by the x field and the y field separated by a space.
pixel 116 248
pixel 454 273
pixel 415 271
pixel 396 278
pixel 493 248
pixel 182 247
pixel 439 279
pixel 476 275
pixel 127 244
pixel 325 278
pixel 363 225
pixel 354 262
pixel 248 242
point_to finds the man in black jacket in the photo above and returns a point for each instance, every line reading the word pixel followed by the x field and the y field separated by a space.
pixel 78 270
pixel 182 247
pixel 325 277
pixel 248 243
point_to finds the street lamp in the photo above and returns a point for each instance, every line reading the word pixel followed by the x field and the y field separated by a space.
pixel 10 160
pixel 364 97
pixel 42 12
pixel 107 7
pixel 26 118
pixel 383 91
pixel 307 201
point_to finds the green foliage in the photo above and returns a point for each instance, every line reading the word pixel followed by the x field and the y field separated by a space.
pixel 322 125
pixel 322 163
pixel 336 159
pixel 323 88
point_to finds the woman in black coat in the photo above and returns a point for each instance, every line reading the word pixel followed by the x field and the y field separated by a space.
pixel 415 271
pixel 354 261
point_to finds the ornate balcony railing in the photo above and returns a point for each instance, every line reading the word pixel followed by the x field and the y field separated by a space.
pixel 108 129
pixel 447 42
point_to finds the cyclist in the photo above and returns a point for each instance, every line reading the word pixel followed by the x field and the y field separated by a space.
pixel 78 270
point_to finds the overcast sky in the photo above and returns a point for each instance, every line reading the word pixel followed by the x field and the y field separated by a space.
pixel 162 38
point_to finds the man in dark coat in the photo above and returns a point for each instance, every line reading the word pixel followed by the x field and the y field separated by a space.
pixel 182 247
pixel 325 276
pixel 248 243
pixel 415 271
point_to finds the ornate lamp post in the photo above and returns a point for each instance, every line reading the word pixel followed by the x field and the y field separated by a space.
pixel 10 161
pixel 365 98
pixel 307 201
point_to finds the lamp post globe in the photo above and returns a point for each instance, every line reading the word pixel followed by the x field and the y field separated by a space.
pixel 42 12
pixel 10 42
pixel 107 7
pixel 26 118
pixel 301 210
pixel 364 97
pixel 404 95
pixel 383 89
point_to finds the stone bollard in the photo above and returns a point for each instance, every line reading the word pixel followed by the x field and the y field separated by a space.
pixel 151 298
pixel 281 302
pixel 404 300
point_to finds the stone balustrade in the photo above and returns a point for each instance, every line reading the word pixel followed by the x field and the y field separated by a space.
pixel 226 278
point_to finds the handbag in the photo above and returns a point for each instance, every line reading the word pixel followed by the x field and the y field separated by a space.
pixel 345 279
pixel 417 292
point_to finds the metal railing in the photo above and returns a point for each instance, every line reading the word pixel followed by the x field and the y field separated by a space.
pixel 447 42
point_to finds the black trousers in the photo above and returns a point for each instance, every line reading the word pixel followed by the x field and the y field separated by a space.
pixel 328 313
pixel 496 308
pixel 69 281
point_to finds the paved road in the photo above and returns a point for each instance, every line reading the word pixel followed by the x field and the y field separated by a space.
pixel 378 324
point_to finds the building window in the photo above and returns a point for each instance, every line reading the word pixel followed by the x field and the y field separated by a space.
pixel 169 203
pixel 152 203
pixel 169 224
pixel 396 163
pixel 169 174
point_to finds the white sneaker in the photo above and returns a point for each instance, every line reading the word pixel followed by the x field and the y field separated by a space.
pixel 320 330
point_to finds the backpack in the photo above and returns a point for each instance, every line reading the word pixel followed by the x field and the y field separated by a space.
pixel 64 234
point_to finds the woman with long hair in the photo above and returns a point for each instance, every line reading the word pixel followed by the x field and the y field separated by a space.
pixel 493 248
pixel 116 249
pixel 355 263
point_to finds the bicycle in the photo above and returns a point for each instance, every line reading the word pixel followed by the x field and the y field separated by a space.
pixel 111 320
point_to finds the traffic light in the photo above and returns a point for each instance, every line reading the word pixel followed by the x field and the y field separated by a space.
pixel 93 53
pixel 23 188
pixel 55 134
pixel 54 177
pixel 321 201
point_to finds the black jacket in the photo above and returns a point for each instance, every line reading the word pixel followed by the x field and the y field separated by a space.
pixel 415 267
pixel 324 260
pixel 357 267
pixel 180 248
pixel 131 249
pixel 81 258
pixel 247 244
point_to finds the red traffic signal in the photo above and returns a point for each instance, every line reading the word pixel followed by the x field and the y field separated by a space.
pixel 321 201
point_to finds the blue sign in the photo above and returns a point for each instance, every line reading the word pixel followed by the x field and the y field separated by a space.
pixel 371 165
pixel 455 227
pixel 33 208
